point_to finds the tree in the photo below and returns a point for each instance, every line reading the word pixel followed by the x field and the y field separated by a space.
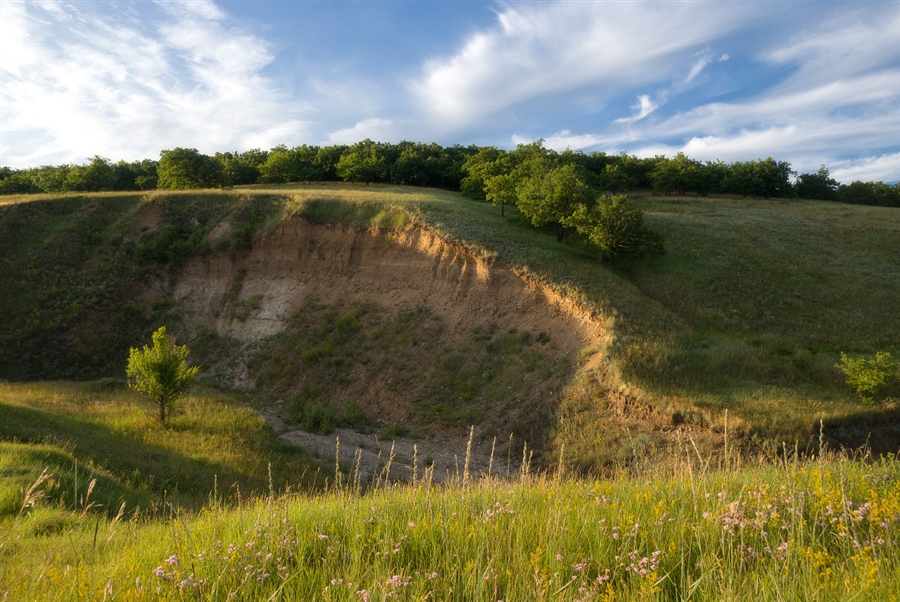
pixel 870 193
pixel 362 162
pixel 614 179
pixel 161 372
pixel 615 226
pixel 551 196
pixel 479 167
pixel 819 185
pixel 183 168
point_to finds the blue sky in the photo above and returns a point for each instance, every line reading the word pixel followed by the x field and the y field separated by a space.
pixel 807 82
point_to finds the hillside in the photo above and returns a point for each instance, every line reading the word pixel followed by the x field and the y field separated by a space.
pixel 411 311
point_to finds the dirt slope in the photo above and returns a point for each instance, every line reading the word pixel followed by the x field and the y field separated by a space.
pixel 408 269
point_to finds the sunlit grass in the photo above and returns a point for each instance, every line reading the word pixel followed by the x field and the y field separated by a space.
pixel 747 311
pixel 210 440
pixel 824 529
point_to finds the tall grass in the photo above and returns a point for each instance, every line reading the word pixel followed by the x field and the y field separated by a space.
pixel 823 529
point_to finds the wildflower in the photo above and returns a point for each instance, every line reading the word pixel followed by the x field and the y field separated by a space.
pixel 171 560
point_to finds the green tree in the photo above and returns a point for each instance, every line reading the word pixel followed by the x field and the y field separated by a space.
pixel 819 185
pixel 870 193
pixel 551 196
pixel 479 167
pixel 362 162
pixel 615 179
pixel 616 227
pixel 161 372
pixel 183 168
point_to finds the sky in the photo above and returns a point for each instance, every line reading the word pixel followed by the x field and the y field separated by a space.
pixel 811 83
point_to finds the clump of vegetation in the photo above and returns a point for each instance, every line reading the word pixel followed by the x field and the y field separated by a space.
pixel 313 411
pixel 616 227
pixel 871 377
pixel 360 352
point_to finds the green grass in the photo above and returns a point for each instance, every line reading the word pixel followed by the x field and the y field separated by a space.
pixel 210 440
pixel 798 530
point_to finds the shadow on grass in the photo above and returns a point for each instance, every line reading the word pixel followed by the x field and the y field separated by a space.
pixel 877 429
pixel 144 467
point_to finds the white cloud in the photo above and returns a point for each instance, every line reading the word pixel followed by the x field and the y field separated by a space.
pixel 551 49
pixel 379 130
pixel 644 107
pixel 705 58
pixel 883 168
pixel 829 108
pixel 127 85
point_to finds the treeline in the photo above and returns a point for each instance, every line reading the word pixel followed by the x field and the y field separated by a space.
pixel 466 168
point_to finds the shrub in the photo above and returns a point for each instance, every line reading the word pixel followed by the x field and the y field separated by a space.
pixel 872 377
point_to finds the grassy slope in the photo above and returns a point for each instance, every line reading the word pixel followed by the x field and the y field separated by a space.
pixel 823 530
pixel 747 312
pixel 82 427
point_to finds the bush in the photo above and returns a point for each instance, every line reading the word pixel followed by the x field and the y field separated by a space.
pixel 872 377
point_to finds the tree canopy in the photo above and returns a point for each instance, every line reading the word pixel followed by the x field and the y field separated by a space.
pixel 468 169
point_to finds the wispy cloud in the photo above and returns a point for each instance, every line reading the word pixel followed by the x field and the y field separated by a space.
pixel 833 97
pixel 374 129
pixel 867 169
pixel 644 107
pixel 549 49
pixel 128 84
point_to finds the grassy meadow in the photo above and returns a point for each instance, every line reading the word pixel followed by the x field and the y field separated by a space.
pixel 737 327
pixel 688 528
pixel 747 312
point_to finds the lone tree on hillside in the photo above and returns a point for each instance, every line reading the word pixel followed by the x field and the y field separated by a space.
pixel 161 372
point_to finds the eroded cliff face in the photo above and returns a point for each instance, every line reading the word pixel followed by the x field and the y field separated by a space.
pixel 251 295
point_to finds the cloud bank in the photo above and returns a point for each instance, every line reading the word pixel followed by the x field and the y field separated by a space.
pixel 127 84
